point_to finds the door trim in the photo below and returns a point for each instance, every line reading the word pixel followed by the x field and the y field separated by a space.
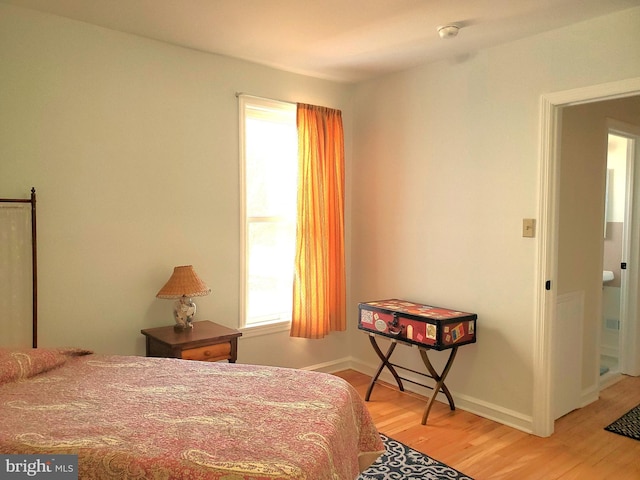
pixel 547 245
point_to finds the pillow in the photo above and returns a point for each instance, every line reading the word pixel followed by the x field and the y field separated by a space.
pixel 17 364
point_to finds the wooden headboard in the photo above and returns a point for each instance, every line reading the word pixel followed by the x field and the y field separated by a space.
pixel 34 259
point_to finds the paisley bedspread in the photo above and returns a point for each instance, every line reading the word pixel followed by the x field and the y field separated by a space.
pixel 156 418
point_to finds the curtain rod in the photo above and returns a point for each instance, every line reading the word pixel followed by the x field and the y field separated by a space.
pixel 238 94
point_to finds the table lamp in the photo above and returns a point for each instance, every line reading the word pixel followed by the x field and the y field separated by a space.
pixel 183 284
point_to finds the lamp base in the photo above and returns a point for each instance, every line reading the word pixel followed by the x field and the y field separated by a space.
pixel 183 328
pixel 183 313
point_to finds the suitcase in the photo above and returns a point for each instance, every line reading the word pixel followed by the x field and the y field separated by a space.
pixel 423 325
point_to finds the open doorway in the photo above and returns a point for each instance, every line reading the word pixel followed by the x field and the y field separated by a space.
pixel 595 194
pixel 618 241
pixel 553 108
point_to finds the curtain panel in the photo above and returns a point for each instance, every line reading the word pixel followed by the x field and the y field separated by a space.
pixel 319 290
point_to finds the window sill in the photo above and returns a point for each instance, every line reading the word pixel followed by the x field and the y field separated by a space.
pixel 259 330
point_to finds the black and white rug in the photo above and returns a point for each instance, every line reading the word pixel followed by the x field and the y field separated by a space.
pixel 627 425
pixel 400 462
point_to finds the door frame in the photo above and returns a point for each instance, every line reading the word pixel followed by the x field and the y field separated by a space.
pixel 547 244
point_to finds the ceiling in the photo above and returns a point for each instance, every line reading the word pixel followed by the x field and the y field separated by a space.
pixel 341 40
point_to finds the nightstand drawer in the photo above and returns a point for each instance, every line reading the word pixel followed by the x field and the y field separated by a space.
pixel 210 353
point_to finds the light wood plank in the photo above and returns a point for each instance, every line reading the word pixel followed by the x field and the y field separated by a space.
pixel 580 448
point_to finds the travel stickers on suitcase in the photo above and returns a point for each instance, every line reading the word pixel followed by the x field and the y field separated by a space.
pixel 423 325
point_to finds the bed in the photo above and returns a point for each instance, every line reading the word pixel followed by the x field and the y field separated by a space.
pixel 130 417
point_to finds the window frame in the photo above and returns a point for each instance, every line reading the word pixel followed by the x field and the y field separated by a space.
pixel 268 326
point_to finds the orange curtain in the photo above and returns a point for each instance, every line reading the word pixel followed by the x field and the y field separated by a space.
pixel 319 290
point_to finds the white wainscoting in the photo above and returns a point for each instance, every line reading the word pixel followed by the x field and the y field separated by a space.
pixel 566 376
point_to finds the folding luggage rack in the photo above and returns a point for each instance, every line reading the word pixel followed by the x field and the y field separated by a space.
pixel 423 326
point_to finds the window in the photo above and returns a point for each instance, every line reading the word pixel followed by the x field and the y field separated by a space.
pixel 269 168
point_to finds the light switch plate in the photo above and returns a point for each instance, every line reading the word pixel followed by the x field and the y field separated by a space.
pixel 528 227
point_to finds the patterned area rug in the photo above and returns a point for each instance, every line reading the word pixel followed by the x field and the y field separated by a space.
pixel 400 462
pixel 627 425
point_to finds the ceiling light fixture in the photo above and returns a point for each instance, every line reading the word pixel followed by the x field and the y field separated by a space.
pixel 448 31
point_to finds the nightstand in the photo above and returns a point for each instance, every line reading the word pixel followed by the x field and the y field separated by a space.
pixel 206 341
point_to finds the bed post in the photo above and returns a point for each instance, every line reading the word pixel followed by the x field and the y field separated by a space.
pixel 34 267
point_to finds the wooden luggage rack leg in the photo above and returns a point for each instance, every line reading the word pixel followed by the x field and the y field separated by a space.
pixel 439 381
pixel 433 374
pixel 383 363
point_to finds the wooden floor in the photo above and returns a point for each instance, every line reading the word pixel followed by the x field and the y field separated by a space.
pixel 580 448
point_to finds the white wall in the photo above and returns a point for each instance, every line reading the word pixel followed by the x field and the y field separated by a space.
pixel 447 159
pixel 132 146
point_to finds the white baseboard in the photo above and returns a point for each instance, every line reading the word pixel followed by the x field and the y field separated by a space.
pixel 609 379
pixel 589 395
pixel 345 363
pixel 463 402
